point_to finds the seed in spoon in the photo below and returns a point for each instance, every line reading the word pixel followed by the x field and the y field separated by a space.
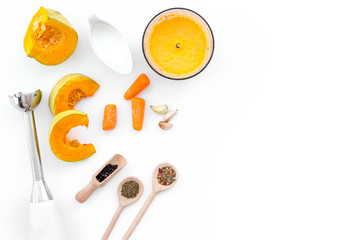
pixel 130 189
pixel 166 175
pixel 105 172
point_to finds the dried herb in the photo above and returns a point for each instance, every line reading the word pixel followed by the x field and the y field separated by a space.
pixel 105 172
pixel 166 175
pixel 130 189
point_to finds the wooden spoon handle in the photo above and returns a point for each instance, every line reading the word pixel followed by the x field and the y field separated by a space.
pixel 112 223
pixel 85 193
pixel 139 216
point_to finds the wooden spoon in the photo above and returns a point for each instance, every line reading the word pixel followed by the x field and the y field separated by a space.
pixel 123 202
pixel 94 184
pixel 157 187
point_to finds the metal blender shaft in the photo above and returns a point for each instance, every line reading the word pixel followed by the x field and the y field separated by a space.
pixel 40 191
pixel 26 104
pixel 33 145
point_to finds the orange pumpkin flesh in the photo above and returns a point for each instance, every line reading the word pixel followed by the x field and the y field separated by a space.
pixel 64 148
pixel 69 90
pixel 50 38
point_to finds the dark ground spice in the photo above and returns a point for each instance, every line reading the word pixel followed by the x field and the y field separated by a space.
pixel 130 189
pixel 105 172
pixel 166 175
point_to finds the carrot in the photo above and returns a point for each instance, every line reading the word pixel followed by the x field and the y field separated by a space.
pixel 140 84
pixel 138 109
pixel 110 117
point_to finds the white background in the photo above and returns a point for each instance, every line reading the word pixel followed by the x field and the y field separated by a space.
pixel 266 141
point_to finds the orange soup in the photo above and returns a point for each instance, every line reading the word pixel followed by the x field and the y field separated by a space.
pixel 178 45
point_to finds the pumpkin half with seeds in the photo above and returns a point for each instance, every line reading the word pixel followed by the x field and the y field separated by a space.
pixel 69 90
pixel 50 38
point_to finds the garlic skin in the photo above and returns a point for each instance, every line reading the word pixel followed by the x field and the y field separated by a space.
pixel 161 109
pixel 169 115
pixel 165 125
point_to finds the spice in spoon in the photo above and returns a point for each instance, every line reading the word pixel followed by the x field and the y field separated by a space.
pixel 105 172
pixel 166 176
pixel 130 189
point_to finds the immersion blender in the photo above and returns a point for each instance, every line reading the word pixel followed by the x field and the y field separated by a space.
pixel 45 222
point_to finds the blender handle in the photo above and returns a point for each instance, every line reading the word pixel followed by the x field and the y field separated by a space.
pixel 45 222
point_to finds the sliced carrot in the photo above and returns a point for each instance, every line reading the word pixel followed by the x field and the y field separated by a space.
pixel 138 109
pixel 140 84
pixel 110 117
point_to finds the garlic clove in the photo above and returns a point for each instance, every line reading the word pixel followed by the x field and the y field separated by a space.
pixel 169 115
pixel 165 125
pixel 161 109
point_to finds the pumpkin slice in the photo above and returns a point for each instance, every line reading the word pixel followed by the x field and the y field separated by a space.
pixel 62 147
pixel 69 90
pixel 50 38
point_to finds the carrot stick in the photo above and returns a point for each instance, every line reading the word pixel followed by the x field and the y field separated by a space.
pixel 110 117
pixel 138 109
pixel 140 84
